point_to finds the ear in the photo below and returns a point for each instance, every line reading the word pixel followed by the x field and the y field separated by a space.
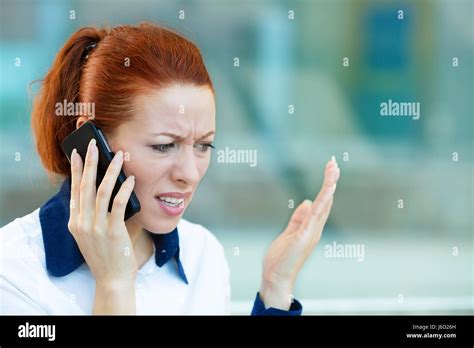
pixel 81 120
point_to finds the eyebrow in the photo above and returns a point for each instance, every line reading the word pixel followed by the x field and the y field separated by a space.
pixel 177 137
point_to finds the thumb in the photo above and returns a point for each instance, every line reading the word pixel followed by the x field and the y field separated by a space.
pixel 299 216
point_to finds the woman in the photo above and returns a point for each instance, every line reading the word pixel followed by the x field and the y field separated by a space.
pixel 153 98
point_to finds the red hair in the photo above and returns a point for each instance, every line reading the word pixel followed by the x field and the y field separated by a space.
pixel 125 61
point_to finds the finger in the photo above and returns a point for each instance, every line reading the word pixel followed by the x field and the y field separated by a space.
pixel 318 207
pixel 299 216
pixel 326 210
pixel 88 185
pixel 320 222
pixel 331 174
pixel 76 175
pixel 328 188
pixel 104 192
pixel 327 207
pixel 120 203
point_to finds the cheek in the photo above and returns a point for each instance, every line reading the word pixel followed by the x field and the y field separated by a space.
pixel 203 166
pixel 143 175
pixel 142 166
pixel 148 174
pixel 133 168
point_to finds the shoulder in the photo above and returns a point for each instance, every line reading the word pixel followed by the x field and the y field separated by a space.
pixel 205 262
pixel 196 237
pixel 21 233
pixel 21 245
pixel 23 273
pixel 190 232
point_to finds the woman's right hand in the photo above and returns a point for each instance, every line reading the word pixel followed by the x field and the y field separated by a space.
pixel 101 236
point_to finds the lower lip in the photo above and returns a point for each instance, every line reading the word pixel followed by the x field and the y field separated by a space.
pixel 172 211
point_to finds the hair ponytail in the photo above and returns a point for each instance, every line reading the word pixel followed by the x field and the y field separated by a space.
pixel 62 82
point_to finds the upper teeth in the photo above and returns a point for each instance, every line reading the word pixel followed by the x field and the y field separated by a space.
pixel 172 200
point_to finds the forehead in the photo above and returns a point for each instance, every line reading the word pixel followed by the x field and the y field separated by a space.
pixel 182 109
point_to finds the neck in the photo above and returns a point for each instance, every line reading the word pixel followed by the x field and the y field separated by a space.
pixel 141 241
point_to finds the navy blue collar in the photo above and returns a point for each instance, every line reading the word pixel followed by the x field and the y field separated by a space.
pixel 62 253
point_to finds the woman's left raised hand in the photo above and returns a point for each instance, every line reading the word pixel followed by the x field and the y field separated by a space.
pixel 289 251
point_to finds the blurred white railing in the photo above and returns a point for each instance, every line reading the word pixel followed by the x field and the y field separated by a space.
pixel 377 306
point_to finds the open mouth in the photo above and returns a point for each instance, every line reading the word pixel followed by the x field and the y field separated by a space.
pixel 171 201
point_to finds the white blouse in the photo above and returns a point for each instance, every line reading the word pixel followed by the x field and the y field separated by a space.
pixel 26 286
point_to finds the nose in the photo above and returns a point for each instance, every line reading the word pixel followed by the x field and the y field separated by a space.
pixel 186 170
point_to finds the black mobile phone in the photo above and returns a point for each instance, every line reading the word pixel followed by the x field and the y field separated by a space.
pixel 79 140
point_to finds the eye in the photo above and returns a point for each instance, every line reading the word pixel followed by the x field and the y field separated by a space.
pixel 163 147
pixel 203 147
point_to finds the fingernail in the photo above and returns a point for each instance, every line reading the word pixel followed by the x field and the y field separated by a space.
pixel 118 157
pixel 132 178
pixel 92 146
pixel 333 158
pixel 73 155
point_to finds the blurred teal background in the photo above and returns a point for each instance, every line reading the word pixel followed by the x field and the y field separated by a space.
pixel 419 258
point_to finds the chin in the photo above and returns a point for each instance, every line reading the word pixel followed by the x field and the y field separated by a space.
pixel 157 224
pixel 155 220
pixel 162 228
